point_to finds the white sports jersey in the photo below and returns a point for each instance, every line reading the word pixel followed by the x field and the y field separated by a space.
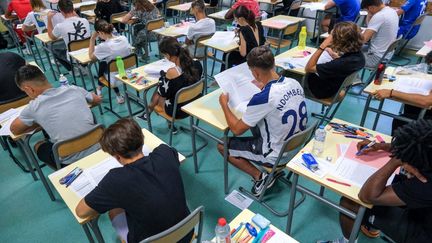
pixel 279 111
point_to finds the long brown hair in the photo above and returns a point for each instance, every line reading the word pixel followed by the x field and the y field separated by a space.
pixel 170 46
pixel 144 5
pixel 248 15
pixel 346 37
pixel 37 5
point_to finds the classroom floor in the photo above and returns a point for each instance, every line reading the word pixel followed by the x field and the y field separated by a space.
pixel 30 216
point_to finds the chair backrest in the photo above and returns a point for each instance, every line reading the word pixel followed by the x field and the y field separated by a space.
pixel 388 54
pixel 418 21
pixel 77 144
pixel 78 44
pixel 298 140
pixel 343 89
pixel 87 7
pixel 291 29
pixel 129 62
pixel 155 24
pixel 187 94
pixel 14 104
pixel 115 15
pixel 198 44
pixel 181 229
pixel 294 6
pixel 171 3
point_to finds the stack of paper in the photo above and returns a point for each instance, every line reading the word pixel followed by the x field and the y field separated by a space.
pixel 222 38
pixel 314 6
pixel 153 69
pixel 77 52
pixel 300 62
pixel 237 82
pixel 8 114
pixel 413 85
pixel 8 119
pixel 279 23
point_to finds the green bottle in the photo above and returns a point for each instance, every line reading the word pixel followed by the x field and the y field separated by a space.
pixel 120 67
pixel 302 38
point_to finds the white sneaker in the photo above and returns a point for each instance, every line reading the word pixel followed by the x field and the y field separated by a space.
pixel 99 92
pixel 120 99
pixel 26 51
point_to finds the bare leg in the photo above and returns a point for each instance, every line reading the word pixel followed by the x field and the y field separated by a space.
pixel 156 99
pixel 346 222
pixel 325 24
pixel 242 164
pixel 114 212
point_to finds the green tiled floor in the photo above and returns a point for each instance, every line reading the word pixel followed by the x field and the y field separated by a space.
pixel 30 216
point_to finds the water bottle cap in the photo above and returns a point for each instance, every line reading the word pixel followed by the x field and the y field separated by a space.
pixel 303 28
pixel 321 126
pixel 222 222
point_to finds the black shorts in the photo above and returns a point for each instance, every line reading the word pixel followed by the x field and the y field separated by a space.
pixel 45 154
pixel 249 148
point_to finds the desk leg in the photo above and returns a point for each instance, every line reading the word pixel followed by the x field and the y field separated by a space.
pixel 39 54
pixel 27 150
pixel 194 152
pixel 147 111
pixel 49 61
pixel 365 111
pixel 205 69
pixel 378 113
pixel 357 223
pixel 315 23
pixel 87 232
pixel 27 161
pixel 95 227
pixel 127 100
pixel 291 203
pixel 93 85
pixel 225 141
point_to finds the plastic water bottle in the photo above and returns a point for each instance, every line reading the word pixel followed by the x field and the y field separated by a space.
pixel 63 80
pixel 319 140
pixel 222 231
pixel 120 67
pixel 302 38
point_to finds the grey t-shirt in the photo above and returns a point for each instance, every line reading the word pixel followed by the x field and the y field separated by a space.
pixel 63 113
pixel 385 23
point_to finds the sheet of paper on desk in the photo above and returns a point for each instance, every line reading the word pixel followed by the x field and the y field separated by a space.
pixel 279 23
pixel 5 128
pixel 237 82
pixel 413 85
pixel 155 67
pixel 8 114
pixel 146 150
pixel 376 159
pixel 77 52
pixel 300 62
pixel 222 13
pixel 222 38
pixel 239 200
pixel 428 43
pixel 354 172
pixel 314 6
pixel 324 167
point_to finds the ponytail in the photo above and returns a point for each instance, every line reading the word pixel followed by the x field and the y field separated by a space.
pixel 103 26
pixel 248 15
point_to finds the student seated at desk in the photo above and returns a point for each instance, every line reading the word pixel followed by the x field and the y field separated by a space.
pixel 10 63
pixel 105 8
pixel 349 10
pixel 381 31
pixel 71 29
pixel 62 112
pixel 186 72
pixel 409 110
pixel 141 12
pixel 402 210
pixel 251 35
pixel 410 11
pixel 344 43
pixel 203 26
pixel 36 18
pixel 266 116
pixel 112 47
pixel 252 5
pixel 146 195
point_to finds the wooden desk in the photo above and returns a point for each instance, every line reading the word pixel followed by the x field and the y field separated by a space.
pixel 247 215
pixel 47 47
pixel 290 53
pixel 184 7
pixel 423 52
pixel 272 3
pixel 280 22
pixel 152 81
pixel 71 199
pixel 176 31
pixel 319 8
pixel 89 13
pixel 351 192
pixel 219 15
pixel 207 109
pixel 386 84
pixel 78 5
pixel 82 58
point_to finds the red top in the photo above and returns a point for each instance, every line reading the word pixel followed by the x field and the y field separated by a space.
pixel 20 7
pixel 252 5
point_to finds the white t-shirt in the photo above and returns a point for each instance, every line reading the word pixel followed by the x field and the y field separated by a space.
pixel 204 26
pixel 110 49
pixel 279 111
pixel 73 28
pixel 39 19
pixel 385 23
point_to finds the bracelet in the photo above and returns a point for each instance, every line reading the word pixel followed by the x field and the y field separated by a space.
pixel 391 92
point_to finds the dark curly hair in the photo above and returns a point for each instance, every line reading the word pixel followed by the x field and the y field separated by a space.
pixel 346 37
pixel 412 144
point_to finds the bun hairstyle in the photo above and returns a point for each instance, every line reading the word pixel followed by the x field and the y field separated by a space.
pixel 103 26
pixel 170 46
pixel 249 16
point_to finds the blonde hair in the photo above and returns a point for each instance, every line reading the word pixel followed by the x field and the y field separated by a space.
pixel 346 37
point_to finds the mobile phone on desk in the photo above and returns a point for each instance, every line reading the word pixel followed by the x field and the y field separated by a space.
pixel 73 174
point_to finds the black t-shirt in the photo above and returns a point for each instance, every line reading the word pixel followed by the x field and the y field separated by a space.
pixel 330 75
pixel 104 10
pixel 9 91
pixel 150 190
pixel 418 199
pixel 249 36
pixel 168 89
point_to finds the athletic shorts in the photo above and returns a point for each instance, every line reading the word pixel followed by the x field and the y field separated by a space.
pixel 250 148
pixel 119 224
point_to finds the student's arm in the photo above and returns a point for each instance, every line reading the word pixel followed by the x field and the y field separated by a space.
pixel 95 100
pixel 375 191
pixel 367 35
pixel 50 27
pixel 312 63
pixel 376 147
pixel 92 46
pixel 28 25
pixel 18 127
pixel 237 126
pixel 416 99
pixel 407 6
pixel 242 46
pixel 126 18
pixel 84 211
pixel 329 4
